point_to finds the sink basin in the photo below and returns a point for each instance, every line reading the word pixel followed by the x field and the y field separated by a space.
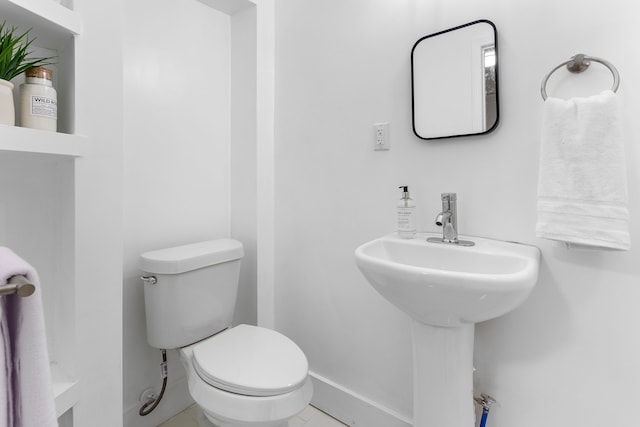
pixel 449 285
pixel 447 289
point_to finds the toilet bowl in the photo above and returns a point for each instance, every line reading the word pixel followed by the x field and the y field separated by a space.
pixel 247 376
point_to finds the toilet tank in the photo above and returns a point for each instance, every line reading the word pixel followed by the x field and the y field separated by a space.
pixel 194 294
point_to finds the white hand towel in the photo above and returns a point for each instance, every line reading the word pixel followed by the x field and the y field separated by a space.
pixel 582 187
pixel 26 380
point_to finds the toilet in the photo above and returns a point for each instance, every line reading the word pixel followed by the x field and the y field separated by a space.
pixel 239 376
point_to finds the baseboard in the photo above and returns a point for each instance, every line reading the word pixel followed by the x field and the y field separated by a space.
pixel 176 398
pixel 351 408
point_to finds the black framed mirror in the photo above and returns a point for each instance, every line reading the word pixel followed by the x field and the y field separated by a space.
pixel 454 82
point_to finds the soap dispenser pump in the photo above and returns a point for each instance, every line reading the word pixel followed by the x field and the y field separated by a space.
pixel 406 215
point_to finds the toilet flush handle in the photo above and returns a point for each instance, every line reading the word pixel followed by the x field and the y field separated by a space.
pixel 149 279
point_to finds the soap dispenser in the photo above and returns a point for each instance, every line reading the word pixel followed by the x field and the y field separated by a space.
pixel 406 215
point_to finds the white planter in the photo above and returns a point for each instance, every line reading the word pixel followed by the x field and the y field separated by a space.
pixel 7 110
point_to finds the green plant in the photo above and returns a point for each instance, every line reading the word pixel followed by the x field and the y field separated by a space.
pixel 14 53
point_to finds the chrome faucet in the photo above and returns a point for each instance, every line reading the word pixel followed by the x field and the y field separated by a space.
pixel 448 220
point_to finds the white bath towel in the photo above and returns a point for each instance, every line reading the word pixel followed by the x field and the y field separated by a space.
pixel 582 187
pixel 26 399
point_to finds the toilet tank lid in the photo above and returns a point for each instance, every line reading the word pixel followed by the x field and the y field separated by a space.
pixel 184 258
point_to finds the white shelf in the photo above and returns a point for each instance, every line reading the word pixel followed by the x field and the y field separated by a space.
pixel 41 14
pixel 66 392
pixel 23 140
pixel 228 6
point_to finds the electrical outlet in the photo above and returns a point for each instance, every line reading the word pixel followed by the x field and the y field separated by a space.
pixel 381 136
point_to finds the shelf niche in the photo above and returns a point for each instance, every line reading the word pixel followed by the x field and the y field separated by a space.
pixel 54 28
pixel 37 180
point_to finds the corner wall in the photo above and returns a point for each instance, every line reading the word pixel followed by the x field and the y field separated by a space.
pixel 572 348
pixel 243 157
pixel 98 208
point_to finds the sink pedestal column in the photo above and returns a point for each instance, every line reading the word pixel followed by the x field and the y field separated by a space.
pixel 443 376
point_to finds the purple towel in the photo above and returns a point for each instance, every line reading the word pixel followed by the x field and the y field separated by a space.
pixel 26 393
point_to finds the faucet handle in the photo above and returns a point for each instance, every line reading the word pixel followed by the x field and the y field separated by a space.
pixel 448 196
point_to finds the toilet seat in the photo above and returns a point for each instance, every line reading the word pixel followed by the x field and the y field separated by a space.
pixel 251 361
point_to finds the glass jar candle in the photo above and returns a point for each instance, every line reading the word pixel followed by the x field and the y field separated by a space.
pixel 38 100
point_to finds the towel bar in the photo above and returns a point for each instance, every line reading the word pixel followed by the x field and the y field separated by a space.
pixel 578 64
pixel 18 284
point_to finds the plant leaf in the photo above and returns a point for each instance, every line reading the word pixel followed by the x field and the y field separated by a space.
pixel 15 53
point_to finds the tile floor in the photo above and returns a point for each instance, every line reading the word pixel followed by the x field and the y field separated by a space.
pixel 309 417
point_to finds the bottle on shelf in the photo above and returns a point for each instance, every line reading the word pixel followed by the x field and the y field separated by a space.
pixel 39 100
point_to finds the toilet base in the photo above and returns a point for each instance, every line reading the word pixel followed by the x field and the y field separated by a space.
pixel 203 421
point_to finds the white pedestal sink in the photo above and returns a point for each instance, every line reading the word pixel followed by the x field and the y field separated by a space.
pixel 446 289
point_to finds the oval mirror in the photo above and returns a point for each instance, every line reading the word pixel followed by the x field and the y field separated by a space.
pixel 454 82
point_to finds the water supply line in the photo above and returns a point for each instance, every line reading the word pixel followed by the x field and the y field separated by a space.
pixel 153 401
pixel 485 401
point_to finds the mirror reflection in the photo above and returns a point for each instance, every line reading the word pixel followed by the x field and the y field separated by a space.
pixel 454 79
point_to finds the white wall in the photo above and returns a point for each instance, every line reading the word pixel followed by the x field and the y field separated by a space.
pixel 570 353
pixel 176 163
pixel 98 209
pixel 243 157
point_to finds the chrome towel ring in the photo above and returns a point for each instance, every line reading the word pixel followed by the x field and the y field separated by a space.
pixel 578 64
